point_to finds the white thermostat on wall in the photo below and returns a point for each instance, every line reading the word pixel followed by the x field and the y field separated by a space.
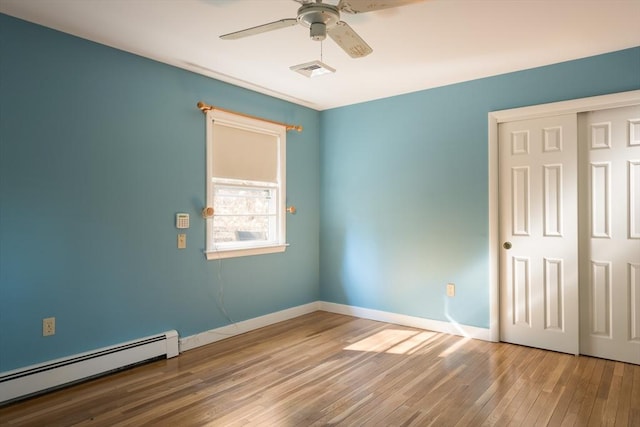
pixel 182 220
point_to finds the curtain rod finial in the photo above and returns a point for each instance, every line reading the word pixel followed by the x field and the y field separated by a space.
pixel 204 107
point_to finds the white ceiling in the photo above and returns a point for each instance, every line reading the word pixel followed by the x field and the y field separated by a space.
pixel 415 47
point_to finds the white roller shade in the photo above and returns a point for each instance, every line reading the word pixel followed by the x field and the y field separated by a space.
pixel 244 154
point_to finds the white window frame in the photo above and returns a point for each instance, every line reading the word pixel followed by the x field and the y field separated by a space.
pixel 213 250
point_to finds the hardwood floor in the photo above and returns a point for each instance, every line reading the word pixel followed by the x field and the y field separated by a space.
pixel 329 369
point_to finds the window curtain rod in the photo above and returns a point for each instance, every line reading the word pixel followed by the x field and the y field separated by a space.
pixel 206 107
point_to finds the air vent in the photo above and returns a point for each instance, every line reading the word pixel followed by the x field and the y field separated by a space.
pixel 313 69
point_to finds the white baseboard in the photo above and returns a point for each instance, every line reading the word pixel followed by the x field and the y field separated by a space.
pixel 213 335
pixel 405 320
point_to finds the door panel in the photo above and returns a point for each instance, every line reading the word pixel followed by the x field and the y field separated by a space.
pixel 538 217
pixel 609 234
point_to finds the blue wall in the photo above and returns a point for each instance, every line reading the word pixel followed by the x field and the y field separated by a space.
pixel 98 151
pixel 405 187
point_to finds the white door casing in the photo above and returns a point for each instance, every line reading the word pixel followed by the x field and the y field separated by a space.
pixel 609 169
pixel 538 228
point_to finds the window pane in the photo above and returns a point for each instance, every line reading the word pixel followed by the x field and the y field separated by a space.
pixel 240 228
pixel 243 201
pixel 243 214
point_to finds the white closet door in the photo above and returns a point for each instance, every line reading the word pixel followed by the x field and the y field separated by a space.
pixel 610 234
pixel 538 228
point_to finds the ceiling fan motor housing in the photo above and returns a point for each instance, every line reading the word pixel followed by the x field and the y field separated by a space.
pixel 318 17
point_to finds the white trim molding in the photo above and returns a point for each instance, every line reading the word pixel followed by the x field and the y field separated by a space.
pixel 218 334
pixel 233 253
pixel 405 320
pixel 615 100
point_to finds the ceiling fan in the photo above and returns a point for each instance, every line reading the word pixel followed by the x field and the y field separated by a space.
pixel 324 18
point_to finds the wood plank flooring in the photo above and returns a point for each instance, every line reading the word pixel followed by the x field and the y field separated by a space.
pixel 329 369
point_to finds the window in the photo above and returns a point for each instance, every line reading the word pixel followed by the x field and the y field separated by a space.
pixel 245 186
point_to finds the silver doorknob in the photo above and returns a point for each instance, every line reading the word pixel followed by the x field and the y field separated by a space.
pixel 506 245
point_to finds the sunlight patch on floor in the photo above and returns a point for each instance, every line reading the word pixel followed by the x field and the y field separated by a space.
pixel 454 347
pixel 394 341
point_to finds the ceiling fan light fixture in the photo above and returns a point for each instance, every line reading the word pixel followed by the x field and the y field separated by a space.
pixel 313 69
pixel 318 31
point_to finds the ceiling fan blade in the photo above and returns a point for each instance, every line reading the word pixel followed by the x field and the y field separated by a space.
pixel 330 2
pixel 276 25
pixel 349 40
pixel 362 6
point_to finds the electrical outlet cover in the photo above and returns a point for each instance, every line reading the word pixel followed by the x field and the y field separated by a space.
pixel 451 290
pixel 48 326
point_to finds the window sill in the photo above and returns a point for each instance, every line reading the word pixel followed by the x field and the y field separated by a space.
pixel 234 253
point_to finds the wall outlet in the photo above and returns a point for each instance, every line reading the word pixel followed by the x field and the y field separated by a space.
pixel 451 290
pixel 48 326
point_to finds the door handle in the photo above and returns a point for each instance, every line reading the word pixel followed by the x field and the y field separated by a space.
pixel 507 245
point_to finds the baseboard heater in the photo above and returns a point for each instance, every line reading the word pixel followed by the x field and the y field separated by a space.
pixel 35 379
